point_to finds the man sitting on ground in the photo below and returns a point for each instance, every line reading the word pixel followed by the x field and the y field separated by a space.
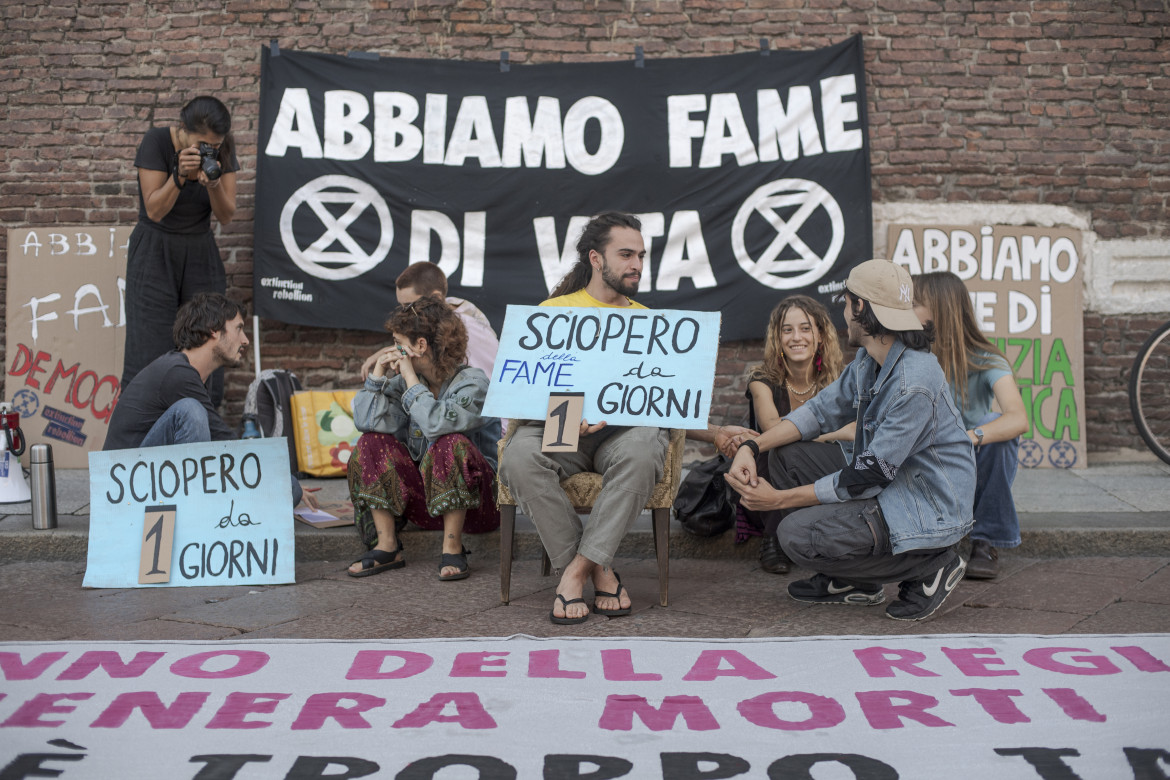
pixel 894 514
pixel 167 402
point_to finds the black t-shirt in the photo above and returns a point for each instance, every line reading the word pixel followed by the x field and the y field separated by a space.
pixel 192 211
pixel 151 392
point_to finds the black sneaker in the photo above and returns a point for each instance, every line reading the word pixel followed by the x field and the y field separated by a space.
pixel 823 589
pixel 919 599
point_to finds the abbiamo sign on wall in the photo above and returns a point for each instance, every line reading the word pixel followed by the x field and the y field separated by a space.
pixel 750 174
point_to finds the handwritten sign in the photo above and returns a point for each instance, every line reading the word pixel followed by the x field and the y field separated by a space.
pixel 231 503
pixel 1026 287
pixel 66 327
pixel 635 366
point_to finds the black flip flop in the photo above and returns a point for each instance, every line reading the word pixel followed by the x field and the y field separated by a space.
pixel 567 621
pixel 459 561
pixel 606 595
pixel 378 561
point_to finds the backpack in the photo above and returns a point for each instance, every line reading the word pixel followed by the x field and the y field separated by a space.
pixel 703 504
pixel 269 406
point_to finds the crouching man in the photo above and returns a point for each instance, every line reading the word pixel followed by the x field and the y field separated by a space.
pixel 167 402
pixel 895 513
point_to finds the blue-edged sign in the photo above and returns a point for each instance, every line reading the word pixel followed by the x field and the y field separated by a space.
pixel 653 367
pixel 232 504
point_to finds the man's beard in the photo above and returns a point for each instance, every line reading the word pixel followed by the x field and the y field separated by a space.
pixel 617 283
pixel 224 359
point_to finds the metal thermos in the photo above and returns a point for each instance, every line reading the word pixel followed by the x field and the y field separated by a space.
pixel 44 487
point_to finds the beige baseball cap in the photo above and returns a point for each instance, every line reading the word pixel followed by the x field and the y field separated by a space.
pixel 888 289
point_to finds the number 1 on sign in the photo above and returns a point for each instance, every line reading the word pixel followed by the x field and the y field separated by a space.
pixel 158 537
pixel 562 425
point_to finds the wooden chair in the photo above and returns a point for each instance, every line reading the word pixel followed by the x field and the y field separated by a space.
pixel 583 490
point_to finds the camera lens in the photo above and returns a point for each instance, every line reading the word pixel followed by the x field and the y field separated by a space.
pixel 209 161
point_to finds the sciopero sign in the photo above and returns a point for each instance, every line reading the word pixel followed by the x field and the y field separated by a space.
pixel 216 513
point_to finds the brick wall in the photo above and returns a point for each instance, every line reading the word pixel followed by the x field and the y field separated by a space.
pixel 1037 102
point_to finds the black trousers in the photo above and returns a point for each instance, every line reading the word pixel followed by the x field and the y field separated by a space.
pixel 164 271
pixel 848 541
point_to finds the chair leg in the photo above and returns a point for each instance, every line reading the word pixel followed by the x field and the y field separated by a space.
pixel 661 518
pixel 507 538
pixel 545 563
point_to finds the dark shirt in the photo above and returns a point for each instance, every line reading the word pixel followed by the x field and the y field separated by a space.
pixel 779 398
pixel 192 211
pixel 153 390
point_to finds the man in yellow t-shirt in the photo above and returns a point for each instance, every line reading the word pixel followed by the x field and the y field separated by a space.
pixel 610 254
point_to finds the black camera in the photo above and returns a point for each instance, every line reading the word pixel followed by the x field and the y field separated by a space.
pixel 209 161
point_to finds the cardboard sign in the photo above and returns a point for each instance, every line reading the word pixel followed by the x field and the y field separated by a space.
pixel 65 333
pixel 635 366
pixel 1026 287
pixel 562 424
pixel 231 509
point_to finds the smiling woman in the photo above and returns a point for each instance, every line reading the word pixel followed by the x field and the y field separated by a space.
pixel 801 357
pixel 186 173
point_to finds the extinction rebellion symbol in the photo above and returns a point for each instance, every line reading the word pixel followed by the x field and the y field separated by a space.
pixel 349 199
pixel 801 203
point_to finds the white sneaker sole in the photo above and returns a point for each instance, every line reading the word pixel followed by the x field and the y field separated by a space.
pixel 952 582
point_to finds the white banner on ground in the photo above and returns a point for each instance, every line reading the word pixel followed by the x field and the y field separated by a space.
pixel 959 706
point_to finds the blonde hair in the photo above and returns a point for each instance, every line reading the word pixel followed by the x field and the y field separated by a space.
pixel 959 345
pixel 774 371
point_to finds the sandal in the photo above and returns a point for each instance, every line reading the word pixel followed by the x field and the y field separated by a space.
pixel 567 621
pixel 459 561
pixel 772 557
pixel 378 561
pixel 603 594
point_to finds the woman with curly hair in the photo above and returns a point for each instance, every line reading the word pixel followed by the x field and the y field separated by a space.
pixel 802 356
pixel 978 374
pixel 426 453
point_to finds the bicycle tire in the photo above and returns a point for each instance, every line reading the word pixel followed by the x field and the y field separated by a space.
pixel 1149 392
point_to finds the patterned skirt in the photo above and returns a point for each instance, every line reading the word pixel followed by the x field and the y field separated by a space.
pixel 452 475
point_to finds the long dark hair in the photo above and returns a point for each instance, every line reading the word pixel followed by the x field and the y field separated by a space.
pixel 205 114
pixel 959 345
pixel 594 238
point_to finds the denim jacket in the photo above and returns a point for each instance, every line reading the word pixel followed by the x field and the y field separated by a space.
pixel 417 418
pixel 910 427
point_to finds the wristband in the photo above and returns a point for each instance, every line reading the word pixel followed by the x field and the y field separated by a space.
pixel 755 448
pixel 175 176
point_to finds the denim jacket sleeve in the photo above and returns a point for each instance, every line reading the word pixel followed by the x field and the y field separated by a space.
pixel 457 410
pixel 378 405
pixel 829 410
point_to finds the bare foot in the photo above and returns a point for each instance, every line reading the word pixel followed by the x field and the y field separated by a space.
pixel 395 553
pixel 605 580
pixel 572 586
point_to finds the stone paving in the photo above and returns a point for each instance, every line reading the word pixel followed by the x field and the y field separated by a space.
pixel 1096 559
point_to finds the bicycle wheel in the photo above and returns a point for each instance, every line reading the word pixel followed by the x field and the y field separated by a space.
pixel 1149 392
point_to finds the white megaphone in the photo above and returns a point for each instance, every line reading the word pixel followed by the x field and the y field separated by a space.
pixel 13 488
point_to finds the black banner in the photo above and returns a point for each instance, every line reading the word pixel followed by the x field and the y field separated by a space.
pixel 750 173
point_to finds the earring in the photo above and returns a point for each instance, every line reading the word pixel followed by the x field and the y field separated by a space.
pixel 818 361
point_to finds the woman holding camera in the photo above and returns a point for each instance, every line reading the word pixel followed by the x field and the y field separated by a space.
pixel 185 174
